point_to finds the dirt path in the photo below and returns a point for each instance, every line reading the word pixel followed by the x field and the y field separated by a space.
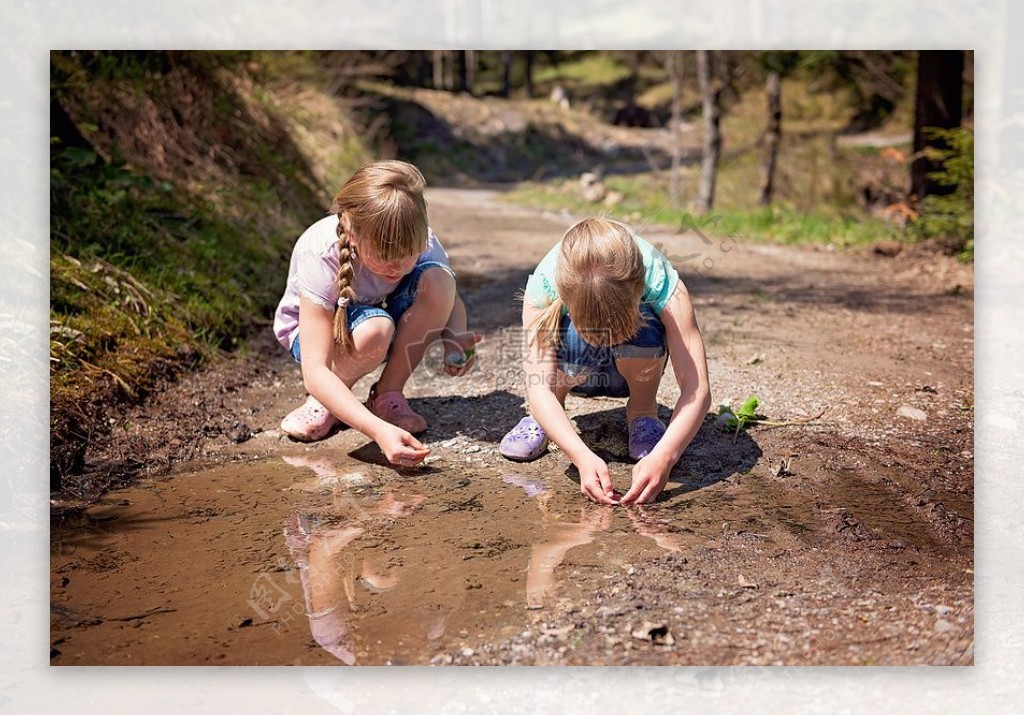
pixel 859 551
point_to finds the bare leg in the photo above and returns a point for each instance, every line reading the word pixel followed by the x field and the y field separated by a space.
pixel 643 375
pixel 370 342
pixel 420 326
pixel 564 383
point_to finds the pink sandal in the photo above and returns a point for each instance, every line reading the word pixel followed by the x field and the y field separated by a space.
pixel 394 408
pixel 310 421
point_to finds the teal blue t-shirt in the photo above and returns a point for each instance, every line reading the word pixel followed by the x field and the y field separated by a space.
pixel 659 283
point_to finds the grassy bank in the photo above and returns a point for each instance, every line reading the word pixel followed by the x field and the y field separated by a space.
pixel 179 182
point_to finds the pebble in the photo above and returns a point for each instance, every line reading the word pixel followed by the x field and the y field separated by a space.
pixel 942 626
pixel 942 609
pixel 906 411
pixel 468 652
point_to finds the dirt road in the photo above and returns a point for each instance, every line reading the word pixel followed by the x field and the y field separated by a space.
pixel 845 540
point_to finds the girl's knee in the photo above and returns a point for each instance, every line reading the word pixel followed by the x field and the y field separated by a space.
pixel 641 369
pixel 436 285
pixel 372 337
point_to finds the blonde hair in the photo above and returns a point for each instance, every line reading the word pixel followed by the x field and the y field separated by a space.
pixel 382 204
pixel 600 281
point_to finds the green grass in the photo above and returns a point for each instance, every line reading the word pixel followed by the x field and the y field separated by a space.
pixel 138 272
pixel 645 202
pixel 588 71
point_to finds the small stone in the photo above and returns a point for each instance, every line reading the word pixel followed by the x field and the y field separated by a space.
pixel 560 633
pixel 654 633
pixel 907 411
pixel 942 626
pixel 942 609
pixel 467 652
pixel 743 582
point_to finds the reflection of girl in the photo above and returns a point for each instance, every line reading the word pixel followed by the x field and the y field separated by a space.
pixel 327 591
pixel 560 536
pixel 328 575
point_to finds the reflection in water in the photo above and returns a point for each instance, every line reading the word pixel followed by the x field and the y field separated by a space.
pixel 325 590
pixel 560 536
pixel 647 523
pixel 329 577
pixel 337 572
pixel 531 487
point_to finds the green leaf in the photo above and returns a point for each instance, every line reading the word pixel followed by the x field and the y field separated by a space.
pixel 749 407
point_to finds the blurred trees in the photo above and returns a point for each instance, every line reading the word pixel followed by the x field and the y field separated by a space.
pixel 709 74
pixel 937 106
pixel 775 65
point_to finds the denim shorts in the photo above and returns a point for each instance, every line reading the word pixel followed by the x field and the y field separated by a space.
pixel 397 302
pixel 577 357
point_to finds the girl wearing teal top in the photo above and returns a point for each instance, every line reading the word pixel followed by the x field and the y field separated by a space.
pixel 602 312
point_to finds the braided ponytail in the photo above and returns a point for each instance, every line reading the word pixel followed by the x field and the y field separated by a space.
pixel 346 291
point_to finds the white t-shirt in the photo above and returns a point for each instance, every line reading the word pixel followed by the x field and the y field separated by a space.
pixel 313 273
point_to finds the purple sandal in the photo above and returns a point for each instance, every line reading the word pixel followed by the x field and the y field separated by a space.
pixel 644 434
pixel 525 442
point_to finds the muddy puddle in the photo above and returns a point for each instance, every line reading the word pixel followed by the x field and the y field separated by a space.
pixel 330 557
pixel 320 559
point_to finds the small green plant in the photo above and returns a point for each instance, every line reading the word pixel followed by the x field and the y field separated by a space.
pixel 746 415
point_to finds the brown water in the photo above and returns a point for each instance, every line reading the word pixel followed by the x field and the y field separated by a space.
pixel 330 557
pixel 379 567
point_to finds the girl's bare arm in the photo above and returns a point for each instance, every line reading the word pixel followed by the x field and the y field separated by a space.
pixel 541 368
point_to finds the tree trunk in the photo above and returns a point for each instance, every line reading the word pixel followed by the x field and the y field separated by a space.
pixel 939 94
pixel 772 136
pixel 449 69
pixel 674 62
pixel 711 92
pixel 506 73
pixel 462 72
pixel 438 60
pixel 529 74
pixel 470 63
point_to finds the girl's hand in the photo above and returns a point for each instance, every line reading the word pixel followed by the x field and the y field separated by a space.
pixel 649 478
pixel 595 481
pixel 460 353
pixel 400 447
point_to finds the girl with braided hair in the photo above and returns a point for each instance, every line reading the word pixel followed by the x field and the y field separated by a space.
pixel 370 283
